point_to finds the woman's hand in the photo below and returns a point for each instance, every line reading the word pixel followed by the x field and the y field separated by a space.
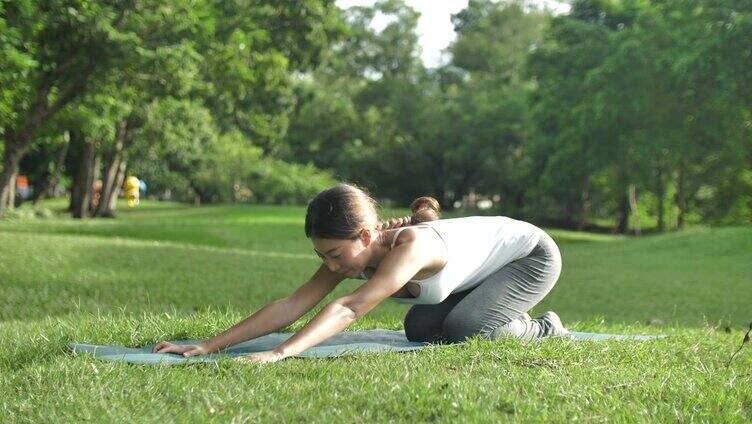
pixel 267 356
pixel 185 350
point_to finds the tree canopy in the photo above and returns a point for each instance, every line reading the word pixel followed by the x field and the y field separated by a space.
pixel 620 113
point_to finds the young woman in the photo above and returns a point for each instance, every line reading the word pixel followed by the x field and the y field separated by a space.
pixel 468 276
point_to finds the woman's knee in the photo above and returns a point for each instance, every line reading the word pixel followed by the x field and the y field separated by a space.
pixel 419 327
pixel 410 324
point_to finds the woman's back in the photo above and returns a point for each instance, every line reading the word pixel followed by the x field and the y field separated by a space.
pixel 476 246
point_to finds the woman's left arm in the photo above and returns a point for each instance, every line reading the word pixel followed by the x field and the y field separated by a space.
pixel 394 271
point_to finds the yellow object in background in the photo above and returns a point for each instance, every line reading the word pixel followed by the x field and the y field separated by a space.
pixel 132 185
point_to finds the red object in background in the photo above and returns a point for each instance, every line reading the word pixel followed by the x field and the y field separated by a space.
pixel 22 181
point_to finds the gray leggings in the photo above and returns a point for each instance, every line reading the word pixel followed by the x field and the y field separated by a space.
pixel 494 308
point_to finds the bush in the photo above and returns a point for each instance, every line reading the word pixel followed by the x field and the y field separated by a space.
pixel 232 169
pixel 287 183
pixel 29 212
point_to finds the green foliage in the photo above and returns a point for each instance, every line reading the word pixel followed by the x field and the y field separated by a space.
pixel 16 62
pixel 285 183
pixel 325 122
pixel 237 171
pixel 247 65
pixel 100 70
pixel 181 151
pixel 555 117
pixel 644 110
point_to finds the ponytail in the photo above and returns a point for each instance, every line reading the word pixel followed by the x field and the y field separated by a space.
pixel 423 209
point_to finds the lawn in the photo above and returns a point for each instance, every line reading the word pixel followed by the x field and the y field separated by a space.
pixel 168 271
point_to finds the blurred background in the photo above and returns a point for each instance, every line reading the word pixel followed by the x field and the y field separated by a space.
pixel 622 116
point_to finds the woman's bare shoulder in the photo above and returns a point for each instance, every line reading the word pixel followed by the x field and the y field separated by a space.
pixel 430 247
pixel 412 234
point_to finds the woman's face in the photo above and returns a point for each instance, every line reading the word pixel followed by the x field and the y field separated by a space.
pixel 345 257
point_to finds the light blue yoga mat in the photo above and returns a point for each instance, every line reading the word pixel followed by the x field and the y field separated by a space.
pixel 344 343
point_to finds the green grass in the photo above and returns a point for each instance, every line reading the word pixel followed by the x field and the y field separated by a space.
pixel 167 271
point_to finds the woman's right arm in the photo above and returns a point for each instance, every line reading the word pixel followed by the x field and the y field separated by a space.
pixel 275 315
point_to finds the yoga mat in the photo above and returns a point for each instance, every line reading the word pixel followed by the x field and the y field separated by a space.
pixel 345 343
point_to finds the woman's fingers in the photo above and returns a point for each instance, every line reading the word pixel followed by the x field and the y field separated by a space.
pixel 167 347
pixel 158 346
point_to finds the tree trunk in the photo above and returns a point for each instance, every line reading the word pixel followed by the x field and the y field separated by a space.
pixel 633 207
pixel 519 201
pixel 96 176
pixel 18 140
pixel 84 178
pixel 17 143
pixel 660 192
pixel 571 208
pixel 115 193
pixel 441 197
pixel 585 205
pixel 110 187
pixel 48 186
pixel 12 189
pixel 11 159
pixel 681 194
pixel 623 212
pixel 115 161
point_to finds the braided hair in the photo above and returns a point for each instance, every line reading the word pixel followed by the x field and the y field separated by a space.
pixel 340 212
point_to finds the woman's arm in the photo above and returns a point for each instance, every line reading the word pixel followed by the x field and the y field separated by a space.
pixel 395 270
pixel 279 313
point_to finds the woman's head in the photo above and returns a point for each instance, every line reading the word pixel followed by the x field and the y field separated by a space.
pixel 342 222
pixel 340 212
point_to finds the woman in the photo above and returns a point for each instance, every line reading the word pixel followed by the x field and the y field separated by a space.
pixel 465 276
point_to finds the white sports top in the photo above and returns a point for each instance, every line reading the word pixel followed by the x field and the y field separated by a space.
pixel 477 246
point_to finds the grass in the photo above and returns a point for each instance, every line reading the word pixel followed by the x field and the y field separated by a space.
pixel 167 271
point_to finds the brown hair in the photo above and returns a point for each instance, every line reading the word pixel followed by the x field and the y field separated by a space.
pixel 340 212
pixel 424 209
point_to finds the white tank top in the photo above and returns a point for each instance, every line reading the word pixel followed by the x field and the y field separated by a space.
pixel 477 246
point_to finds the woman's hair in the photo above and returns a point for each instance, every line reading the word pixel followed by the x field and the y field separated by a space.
pixel 340 212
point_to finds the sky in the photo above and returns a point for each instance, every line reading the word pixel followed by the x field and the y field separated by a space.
pixel 435 30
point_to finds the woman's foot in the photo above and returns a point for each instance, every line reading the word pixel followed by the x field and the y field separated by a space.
pixel 553 326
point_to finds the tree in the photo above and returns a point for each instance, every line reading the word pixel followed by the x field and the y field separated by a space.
pixel 63 48
pixel 493 41
pixel 236 57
